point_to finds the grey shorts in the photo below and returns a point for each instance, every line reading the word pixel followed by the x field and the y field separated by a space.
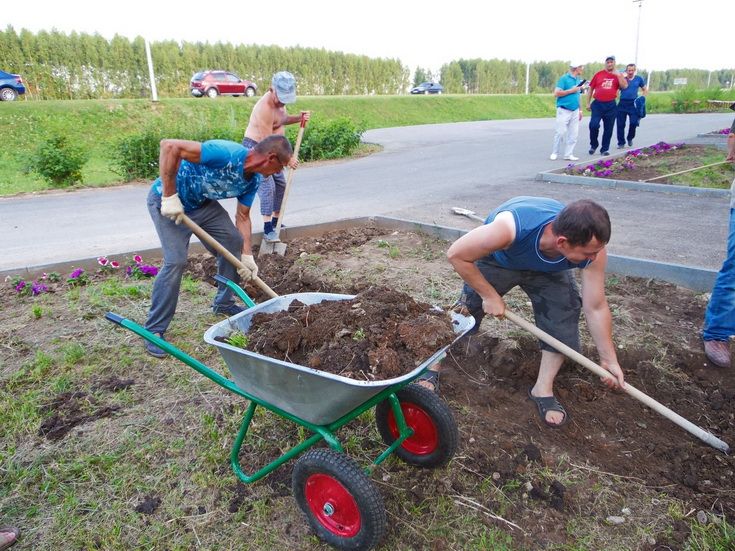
pixel 554 296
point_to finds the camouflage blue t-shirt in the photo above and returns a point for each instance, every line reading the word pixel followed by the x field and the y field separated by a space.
pixel 218 175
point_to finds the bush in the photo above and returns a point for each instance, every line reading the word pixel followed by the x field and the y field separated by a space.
pixel 58 162
pixel 329 140
pixel 136 157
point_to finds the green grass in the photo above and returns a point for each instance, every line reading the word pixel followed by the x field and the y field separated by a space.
pixel 97 125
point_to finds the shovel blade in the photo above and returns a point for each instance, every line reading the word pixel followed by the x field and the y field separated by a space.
pixel 272 247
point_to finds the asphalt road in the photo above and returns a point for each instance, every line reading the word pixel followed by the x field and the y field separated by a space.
pixel 420 174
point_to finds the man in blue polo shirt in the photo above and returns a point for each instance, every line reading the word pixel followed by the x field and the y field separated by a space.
pixel 534 243
pixel 194 176
pixel 568 113
pixel 626 106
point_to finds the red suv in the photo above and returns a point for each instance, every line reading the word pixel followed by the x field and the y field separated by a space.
pixel 215 83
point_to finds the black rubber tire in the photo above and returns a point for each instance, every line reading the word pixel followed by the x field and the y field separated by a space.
pixel 249 92
pixel 8 94
pixel 212 93
pixel 322 469
pixel 435 441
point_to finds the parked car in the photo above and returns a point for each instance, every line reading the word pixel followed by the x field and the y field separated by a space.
pixel 215 83
pixel 428 88
pixel 11 86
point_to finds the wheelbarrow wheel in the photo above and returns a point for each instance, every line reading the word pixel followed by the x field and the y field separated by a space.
pixel 435 436
pixel 340 502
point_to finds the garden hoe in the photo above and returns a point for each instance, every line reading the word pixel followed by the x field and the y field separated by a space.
pixel 231 258
pixel 270 247
pixel 572 354
pixel 468 213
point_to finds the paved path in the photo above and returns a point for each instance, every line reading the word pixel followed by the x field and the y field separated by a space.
pixel 421 173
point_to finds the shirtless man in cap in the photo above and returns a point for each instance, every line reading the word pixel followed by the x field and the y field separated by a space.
pixel 269 117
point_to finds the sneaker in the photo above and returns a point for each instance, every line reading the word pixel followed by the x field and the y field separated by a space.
pixel 154 350
pixel 718 352
pixel 630 143
pixel 553 157
pixel 570 158
pixel 621 145
pixel 604 153
pixel 592 150
pixel 229 311
pixel 271 237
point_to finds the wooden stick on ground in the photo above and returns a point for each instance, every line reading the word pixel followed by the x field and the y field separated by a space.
pixel 687 170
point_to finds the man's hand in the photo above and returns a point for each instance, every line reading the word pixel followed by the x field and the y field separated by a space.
pixel 249 268
pixel 172 208
pixel 617 372
pixel 293 162
pixel 306 115
pixel 494 306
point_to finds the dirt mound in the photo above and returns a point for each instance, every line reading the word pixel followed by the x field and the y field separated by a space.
pixel 380 334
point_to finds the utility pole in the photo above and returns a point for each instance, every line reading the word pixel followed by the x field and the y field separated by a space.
pixel 154 92
pixel 638 31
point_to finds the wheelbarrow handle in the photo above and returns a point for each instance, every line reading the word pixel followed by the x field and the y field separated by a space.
pixel 231 258
pixel 572 354
pixel 235 289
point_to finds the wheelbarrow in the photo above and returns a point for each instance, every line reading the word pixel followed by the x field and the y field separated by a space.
pixel 339 500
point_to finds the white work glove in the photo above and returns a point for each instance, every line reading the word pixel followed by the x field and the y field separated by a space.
pixel 249 268
pixel 172 208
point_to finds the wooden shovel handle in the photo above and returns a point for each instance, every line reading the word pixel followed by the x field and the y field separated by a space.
pixel 572 354
pixel 289 179
pixel 231 258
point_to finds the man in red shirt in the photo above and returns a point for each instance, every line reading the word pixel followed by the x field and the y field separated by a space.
pixel 603 90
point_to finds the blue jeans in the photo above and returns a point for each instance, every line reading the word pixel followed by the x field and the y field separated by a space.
pixel 215 220
pixel 271 189
pixel 719 319
pixel 626 108
pixel 604 111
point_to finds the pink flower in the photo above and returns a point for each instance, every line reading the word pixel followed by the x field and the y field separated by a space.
pixel 137 259
pixel 115 264
pixel 102 260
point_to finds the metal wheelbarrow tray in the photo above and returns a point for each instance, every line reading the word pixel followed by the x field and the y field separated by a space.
pixel 315 396
pixel 337 497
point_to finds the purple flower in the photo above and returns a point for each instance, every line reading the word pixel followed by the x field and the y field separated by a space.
pixel 148 270
pixel 76 273
pixel 38 288
pixel 20 286
pixel 608 163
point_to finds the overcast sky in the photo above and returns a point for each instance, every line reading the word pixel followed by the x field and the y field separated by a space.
pixel 673 33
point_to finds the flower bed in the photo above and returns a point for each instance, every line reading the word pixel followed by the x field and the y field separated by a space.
pixel 604 168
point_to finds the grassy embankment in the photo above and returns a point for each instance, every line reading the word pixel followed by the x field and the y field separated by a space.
pixel 98 124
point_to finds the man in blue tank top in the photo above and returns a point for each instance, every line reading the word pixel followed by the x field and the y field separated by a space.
pixel 534 243
pixel 194 176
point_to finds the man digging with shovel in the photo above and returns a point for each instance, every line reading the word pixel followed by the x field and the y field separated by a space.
pixel 269 117
pixel 194 177
pixel 534 243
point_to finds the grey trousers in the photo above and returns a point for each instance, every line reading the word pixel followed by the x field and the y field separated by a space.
pixel 215 220
pixel 554 296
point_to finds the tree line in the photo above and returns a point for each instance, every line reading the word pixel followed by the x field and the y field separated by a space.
pixel 55 65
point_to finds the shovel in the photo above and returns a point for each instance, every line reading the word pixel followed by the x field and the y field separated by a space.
pixel 572 354
pixel 468 213
pixel 268 247
pixel 231 258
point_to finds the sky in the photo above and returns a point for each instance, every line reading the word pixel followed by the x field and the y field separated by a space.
pixel 426 34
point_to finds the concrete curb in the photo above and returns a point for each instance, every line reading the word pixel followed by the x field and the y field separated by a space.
pixel 691 277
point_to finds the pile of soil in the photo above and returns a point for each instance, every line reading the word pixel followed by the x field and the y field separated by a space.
pixel 380 334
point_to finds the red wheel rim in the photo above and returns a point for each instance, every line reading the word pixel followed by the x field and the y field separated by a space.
pixel 425 438
pixel 333 505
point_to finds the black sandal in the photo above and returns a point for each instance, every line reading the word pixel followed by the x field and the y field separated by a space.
pixel 547 404
pixel 431 377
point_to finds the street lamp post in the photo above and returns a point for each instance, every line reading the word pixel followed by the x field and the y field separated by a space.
pixel 638 31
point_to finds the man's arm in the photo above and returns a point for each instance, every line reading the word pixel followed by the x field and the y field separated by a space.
pixel 590 92
pixel 293 119
pixel 472 246
pixel 245 227
pixel 599 319
pixel 622 81
pixel 730 147
pixel 172 152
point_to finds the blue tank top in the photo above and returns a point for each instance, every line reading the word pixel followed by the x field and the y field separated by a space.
pixel 531 215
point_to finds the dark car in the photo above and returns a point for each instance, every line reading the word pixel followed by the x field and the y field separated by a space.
pixel 11 86
pixel 428 88
pixel 216 83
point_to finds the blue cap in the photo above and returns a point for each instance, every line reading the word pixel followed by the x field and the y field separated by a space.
pixel 284 85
